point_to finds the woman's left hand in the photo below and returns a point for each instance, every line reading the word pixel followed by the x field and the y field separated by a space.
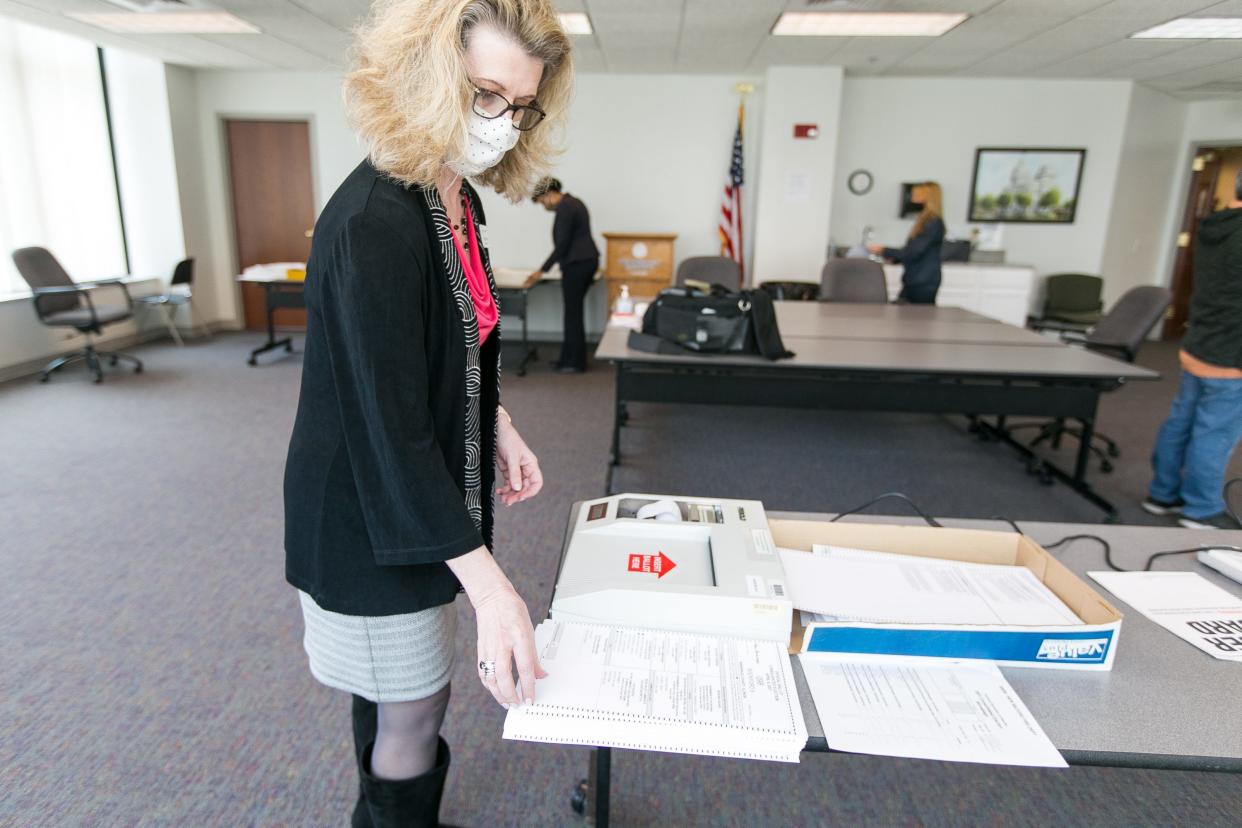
pixel 521 478
pixel 876 248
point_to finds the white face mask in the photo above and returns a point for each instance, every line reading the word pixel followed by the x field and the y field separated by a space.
pixel 488 141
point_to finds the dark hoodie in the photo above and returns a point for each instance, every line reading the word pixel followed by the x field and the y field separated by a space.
pixel 1214 334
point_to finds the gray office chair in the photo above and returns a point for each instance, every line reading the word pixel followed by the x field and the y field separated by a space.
pixel 712 270
pixel 179 293
pixel 853 280
pixel 61 302
pixel 1119 334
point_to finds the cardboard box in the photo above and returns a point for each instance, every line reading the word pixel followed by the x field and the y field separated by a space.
pixel 1087 647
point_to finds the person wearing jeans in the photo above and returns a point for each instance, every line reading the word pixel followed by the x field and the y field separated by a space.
pixel 1205 422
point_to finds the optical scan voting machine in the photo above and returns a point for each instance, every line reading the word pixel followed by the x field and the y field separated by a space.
pixel 680 563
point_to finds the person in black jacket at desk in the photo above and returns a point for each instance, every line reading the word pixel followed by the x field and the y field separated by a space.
pixel 399 436
pixel 920 279
pixel 576 253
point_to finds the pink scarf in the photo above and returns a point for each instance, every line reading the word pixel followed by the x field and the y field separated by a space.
pixel 485 310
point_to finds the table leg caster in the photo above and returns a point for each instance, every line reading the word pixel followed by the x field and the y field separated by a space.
pixel 578 798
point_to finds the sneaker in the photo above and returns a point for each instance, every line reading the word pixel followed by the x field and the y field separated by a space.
pixel 1220 520
pixel 1163 507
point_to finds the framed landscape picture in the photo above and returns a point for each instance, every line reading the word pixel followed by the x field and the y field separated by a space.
pixel 1022 184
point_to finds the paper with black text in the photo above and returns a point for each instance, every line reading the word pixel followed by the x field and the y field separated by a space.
pixel 658 690
pixel 917 708
pixel 1184 603
pixel 880 587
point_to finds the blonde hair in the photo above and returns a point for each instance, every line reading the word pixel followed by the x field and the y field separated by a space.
pixel 408 96
pixel 932 207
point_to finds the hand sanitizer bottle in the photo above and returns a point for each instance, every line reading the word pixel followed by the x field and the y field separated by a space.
pixel 624 305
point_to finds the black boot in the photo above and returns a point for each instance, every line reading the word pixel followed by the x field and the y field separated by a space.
pixel 405 803
pixel 364 713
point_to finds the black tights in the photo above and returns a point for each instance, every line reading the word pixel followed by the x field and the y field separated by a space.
pixel 407 736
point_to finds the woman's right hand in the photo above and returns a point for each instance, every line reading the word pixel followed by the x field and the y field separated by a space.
pixel 506 637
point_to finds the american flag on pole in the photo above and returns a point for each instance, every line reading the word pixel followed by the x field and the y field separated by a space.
pixel 730 227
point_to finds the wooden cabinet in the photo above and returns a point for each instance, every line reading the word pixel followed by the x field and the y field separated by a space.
pixel 643 261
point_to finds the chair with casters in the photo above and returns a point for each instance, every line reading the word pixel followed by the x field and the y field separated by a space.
pixel 710 270
pixel 1119 334
pixel 853 280
pixel 63 303
pixel 179 293
pixel 1071 303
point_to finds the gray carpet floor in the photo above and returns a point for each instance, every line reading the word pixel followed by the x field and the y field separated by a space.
pixel 152 671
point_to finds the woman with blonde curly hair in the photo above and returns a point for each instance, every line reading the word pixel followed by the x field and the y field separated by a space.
pixel 399 433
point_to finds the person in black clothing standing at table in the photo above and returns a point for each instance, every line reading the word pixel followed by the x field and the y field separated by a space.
pixel 400 446
pixel 576 253
pixel 920 279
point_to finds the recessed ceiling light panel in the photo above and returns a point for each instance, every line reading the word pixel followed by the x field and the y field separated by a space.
pixel 1196 28
pixel 166 22
pixel 575 23
pixel 866 24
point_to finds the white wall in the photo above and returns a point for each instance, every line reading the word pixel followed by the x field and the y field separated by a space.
pixel 796 175
pixel 911 129
pixel 1146 201
pixel 146 173
pixel 1218 122
pixel 644 152
pixel 311 96
pixel 650 152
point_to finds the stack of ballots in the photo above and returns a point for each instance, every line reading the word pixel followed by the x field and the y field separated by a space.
pixel 647 689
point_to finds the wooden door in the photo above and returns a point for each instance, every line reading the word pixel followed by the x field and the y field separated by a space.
pixel 273 204
pixel 1199 203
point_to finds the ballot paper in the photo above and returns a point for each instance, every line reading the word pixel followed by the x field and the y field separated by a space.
pixel 956 711
pixel 842 584
pixel 676 692
pixel 1184 603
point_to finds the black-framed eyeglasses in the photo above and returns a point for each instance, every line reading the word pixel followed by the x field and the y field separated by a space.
pixel 492 105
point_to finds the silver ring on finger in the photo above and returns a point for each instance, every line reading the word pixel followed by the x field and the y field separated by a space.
pixel 487 669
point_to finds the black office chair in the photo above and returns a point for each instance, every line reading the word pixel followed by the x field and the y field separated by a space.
pixel 791 291
pixel 853 280
pixel 1071 303
pixel 179 293
pixel 710 270
pixel 61 302
pixel 1119 334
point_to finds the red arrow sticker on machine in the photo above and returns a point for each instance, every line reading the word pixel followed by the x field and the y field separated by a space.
pixel 659 563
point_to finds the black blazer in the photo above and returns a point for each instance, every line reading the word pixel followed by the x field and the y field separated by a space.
pixel 921 256
pixel 571 234
pixel 374 479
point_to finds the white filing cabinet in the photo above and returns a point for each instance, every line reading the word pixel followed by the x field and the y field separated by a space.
pixel 1006 292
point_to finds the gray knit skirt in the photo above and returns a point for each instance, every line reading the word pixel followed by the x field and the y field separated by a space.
pixel 386 658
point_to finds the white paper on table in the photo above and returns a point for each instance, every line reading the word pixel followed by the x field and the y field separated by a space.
pixel 881 587
pixel 661 690
pixel 1184 603
pixel 918 708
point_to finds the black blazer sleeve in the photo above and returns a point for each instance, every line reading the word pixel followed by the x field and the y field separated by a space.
pixel 931 235
pixel 562 237
pixel 374 305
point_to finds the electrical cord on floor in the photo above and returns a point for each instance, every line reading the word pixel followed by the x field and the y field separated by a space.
pixel 931 521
